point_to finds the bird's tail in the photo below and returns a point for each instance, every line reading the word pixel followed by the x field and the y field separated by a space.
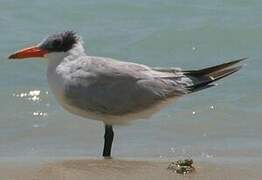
pixel 204 78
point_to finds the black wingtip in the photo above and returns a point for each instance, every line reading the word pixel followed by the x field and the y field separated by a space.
pixel 208 70
pixel 205 78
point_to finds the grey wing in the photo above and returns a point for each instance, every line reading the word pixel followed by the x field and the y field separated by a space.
pixel 116 88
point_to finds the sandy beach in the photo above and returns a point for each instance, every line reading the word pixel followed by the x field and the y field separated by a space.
pixel 99 169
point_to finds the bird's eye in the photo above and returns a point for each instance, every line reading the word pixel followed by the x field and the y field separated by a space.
pixel 57 43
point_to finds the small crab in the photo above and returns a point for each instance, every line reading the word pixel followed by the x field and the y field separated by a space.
pixel 182 166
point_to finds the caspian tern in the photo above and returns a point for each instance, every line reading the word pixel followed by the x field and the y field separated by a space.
pixel 113 91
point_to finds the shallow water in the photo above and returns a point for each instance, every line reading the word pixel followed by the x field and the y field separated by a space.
pixel 221 121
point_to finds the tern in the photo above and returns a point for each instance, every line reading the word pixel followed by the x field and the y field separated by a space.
pixel 114 91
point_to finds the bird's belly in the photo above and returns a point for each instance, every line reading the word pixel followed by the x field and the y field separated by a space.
pixel 114 119
pixel 120 119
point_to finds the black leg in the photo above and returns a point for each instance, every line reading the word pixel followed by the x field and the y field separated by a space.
pixel 109 136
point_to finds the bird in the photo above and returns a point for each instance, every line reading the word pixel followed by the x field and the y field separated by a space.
pixel 114 91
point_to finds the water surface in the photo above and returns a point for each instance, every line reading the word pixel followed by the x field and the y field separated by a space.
pixel 224 121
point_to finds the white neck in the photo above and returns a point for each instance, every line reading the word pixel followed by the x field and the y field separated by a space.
pixel 55 58
pixel 56 79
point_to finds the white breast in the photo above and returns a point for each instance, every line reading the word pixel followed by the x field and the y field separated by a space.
pixel 55 81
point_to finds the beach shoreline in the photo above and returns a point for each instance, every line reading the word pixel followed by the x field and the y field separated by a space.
pixel 100 169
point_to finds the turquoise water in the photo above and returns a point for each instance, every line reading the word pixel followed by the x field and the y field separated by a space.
pixel 224 121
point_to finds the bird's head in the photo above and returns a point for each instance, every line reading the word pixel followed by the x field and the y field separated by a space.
pixel 57 43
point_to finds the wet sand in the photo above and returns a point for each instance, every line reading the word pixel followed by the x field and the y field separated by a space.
pixel 98 169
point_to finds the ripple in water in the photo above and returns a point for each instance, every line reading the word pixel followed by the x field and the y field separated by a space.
pixel 32 95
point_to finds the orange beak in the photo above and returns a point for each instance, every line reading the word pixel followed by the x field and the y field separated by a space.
pixel 30 52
